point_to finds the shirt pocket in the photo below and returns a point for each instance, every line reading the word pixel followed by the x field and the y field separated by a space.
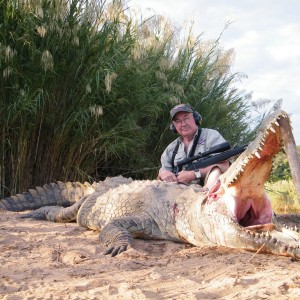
pixel 179 157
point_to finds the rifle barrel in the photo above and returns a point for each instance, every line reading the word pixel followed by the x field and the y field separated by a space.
pixel 202 163
pixel 216 149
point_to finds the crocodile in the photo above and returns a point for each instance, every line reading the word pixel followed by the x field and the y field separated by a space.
pixel 236 212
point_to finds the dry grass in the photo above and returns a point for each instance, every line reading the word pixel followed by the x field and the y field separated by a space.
pixel 283 197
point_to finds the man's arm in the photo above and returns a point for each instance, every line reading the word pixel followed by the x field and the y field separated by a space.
pixel 166 175
pixel 166 171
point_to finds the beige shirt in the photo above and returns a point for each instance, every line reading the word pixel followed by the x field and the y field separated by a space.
pixel 208 139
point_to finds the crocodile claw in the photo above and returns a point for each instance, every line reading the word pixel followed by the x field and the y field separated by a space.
pixel 115 250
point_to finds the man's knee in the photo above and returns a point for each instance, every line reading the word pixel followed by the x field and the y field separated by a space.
pixel 212 176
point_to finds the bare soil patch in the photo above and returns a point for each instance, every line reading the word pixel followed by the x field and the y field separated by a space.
pixel 44 260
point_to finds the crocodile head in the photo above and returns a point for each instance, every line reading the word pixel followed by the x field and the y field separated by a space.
pixel 237 211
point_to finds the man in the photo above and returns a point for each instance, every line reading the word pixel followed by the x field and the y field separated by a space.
pixel 193 140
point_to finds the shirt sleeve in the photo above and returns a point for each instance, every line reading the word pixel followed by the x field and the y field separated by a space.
pixel 214 138
pixel 166 157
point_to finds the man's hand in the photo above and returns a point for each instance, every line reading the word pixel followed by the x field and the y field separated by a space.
pixel 168 176
pixel 186 176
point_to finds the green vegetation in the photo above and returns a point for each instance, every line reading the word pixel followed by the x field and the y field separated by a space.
pixel 280 186
pixel 86 88
pixel 281 169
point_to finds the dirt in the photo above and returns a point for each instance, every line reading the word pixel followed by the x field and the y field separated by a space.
pixel 44 260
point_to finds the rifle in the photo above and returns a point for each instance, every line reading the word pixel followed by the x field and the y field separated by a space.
pixel 206 159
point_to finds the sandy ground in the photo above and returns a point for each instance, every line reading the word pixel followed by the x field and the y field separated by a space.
pixel 44 260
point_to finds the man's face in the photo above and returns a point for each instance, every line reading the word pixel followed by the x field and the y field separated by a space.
pixel 185 124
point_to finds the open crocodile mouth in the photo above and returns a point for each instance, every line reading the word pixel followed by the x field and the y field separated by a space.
pixel 244 181
pixel 238 204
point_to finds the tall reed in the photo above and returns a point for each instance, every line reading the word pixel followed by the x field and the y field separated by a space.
pixel 86 88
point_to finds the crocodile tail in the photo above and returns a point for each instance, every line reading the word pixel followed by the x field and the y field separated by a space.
pixel 60 194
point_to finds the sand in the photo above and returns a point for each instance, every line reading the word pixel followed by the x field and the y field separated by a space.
pixel 44 260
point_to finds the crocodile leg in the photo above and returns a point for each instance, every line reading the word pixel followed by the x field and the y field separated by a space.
pixel 56 213
pixel 118 234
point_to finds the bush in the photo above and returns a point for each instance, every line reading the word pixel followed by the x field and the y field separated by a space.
pixel 281 169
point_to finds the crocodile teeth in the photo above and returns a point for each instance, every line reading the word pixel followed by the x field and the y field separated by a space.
pixel 276 123
pixel 257 154
pixel 272 129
